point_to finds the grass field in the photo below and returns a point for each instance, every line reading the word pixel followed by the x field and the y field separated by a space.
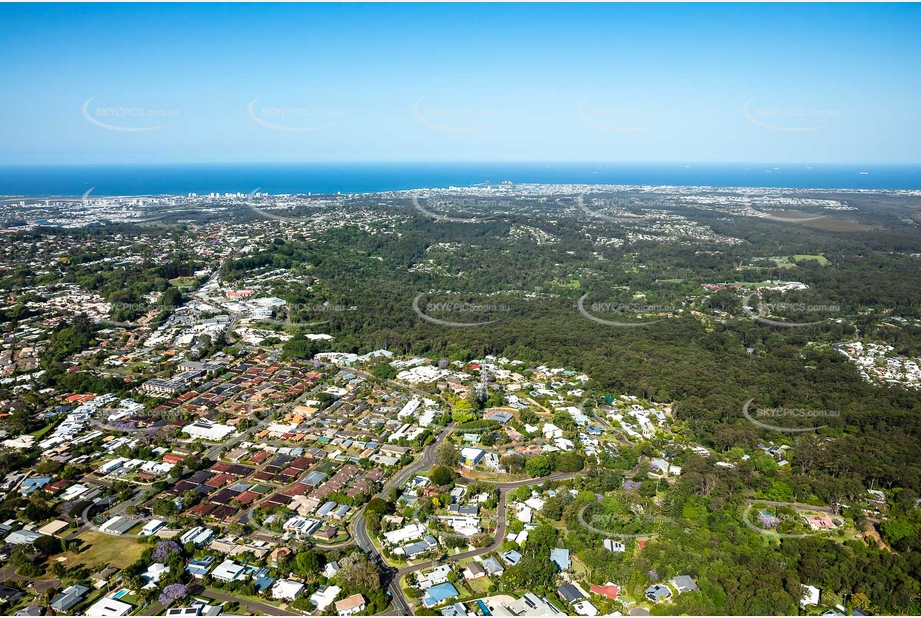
pixel 838 225
pixel 821 259
pixel 183 281
pixel 105 549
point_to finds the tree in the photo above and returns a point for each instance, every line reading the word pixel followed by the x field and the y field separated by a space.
pixel 441 476
pixel 514 463
pixel 379 506
pixel 385 371
pixel 539 465
pixel 522 493
pixel 447 455
pixel 463 411
pixel 356 572
pixel 307 562
pixel 173 593
pixel 570 461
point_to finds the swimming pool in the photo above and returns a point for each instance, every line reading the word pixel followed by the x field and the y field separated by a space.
pixel 120 593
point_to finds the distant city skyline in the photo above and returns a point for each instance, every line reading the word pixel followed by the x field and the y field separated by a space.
pixel 240 83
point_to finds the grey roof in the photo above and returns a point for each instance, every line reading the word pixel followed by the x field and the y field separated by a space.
pixel 22 537
pixel 31 610
pixel 457 609
pixel 475 568
pixel 569 593
pixel 428 542
pixel 326 508
pixel 8 593
pixel 70 597
pixel 492 566
pixel 314 478
pixel 684 583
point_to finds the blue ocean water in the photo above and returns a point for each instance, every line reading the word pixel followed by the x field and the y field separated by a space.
pixel 180 179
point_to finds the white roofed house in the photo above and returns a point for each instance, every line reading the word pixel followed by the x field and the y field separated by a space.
pixel 614 546
pixel 324 596
pixel 198 536
pixel 206 430
pixel 286 589
pixel 811 596
pixel 471 456
pixel 404 534
pixel 228 571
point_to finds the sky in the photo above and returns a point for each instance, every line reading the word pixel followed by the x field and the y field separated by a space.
pixel 174 83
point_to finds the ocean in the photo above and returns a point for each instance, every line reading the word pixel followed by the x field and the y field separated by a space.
pixel 275 178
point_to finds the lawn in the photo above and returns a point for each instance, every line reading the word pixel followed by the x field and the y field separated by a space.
pixel 479 586
pixel 325 466
pixel 183 281
pixel 821 259
pixel 41 432
pixel 105 549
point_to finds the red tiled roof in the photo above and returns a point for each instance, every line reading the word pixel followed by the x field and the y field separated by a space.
pixel 609 592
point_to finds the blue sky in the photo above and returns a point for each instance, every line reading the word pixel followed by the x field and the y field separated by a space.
pixel 166 83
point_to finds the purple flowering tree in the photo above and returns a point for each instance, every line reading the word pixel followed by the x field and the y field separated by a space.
pixel 163 550
pixel 67 507
pixel 768 519
pixel 173 593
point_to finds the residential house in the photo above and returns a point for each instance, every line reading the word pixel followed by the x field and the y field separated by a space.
pixel 569 593
pixel 69 598
pixel 683 583
pixel 658 593
pixel 286 589
pixel 350 606
pixel 474 570
pixel 561 558
pixel 324 596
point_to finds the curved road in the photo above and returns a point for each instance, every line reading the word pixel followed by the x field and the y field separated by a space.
pixel 393 576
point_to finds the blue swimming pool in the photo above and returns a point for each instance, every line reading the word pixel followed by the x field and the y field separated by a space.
pixel 485 609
